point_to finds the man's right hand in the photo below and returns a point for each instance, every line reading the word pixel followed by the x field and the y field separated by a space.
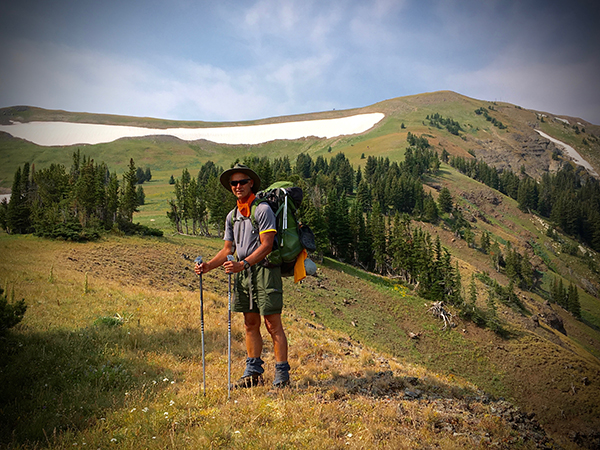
pixel 201 268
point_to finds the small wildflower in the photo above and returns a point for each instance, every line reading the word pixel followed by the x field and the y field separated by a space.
pixel 113 440
pixel 237 432
pixel 165 379
pixel 172 402
pixel 349 434
pixel 133 410
pixel 145 409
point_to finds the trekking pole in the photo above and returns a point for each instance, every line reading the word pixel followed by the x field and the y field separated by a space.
pixel 229 258
pixel 198 261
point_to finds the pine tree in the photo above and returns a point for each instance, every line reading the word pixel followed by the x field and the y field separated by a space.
pixel 485 242
pixel 141 196
pixel 472 292
pixel 561 294
pixel 140 175
pixel 3 214
pixel 430 210
pixel 364 198
pixel 128 203
pixel 445 201
pixel 378 237
pixel 18 211
pixel 492 321
pixel 314 218
pixel 496 256
pixel 574 307
pixel 112 199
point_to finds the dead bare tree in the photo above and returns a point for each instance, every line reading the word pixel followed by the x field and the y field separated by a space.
pixel 438 310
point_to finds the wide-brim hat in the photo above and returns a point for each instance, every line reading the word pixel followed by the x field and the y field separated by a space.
pixel 226 176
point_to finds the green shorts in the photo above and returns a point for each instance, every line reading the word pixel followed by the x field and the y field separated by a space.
pixel 267 291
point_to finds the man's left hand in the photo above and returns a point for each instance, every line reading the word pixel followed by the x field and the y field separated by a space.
pixel 233 266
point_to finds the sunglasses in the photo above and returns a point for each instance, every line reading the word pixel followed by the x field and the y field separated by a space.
pixel 240 182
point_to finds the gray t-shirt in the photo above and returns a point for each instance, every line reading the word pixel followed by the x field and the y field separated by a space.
pixel 244 236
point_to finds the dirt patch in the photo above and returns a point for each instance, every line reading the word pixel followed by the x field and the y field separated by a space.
pixel 155 264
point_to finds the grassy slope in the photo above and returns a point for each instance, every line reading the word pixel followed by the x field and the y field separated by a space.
pixel 138 383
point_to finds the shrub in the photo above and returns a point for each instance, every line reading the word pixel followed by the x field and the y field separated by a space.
pixel 130 228
pixel 10 314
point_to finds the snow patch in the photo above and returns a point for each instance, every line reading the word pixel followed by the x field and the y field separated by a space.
pixel 67 133
pixel 571 152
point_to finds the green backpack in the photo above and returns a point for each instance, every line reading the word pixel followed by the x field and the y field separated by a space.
pixel 292 237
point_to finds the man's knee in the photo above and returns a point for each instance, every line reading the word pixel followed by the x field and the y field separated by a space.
pixel 251 321
pixel 273 324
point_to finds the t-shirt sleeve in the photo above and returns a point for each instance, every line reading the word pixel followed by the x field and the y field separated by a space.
pixel 228 236
pixel 265 218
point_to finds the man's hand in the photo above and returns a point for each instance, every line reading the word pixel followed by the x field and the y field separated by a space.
pixel 233 266
pixel 201 268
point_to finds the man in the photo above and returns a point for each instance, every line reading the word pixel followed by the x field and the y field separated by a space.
pixel 258 288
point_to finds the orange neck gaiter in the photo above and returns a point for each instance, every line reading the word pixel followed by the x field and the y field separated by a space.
pixel 244 206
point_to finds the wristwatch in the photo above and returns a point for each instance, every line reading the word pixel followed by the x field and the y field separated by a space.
pixel 246 264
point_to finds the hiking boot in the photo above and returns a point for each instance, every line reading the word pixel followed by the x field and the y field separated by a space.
pixel 252 374
pixel 249 381
pixel 282 375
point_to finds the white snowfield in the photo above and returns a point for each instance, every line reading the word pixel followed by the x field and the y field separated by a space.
pixel 571 152
pixel 66 133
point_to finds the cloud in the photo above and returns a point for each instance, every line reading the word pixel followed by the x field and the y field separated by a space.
pixel 536 82
pixel 63 77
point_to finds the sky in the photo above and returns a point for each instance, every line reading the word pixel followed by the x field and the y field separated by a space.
pixel 231 60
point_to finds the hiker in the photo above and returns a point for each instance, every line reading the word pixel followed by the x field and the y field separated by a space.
pixel 257 287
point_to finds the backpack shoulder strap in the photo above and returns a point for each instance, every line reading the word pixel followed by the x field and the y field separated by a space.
pixel 253 207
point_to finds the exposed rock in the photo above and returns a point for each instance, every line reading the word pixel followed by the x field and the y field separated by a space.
pixel 482 197
pixel 554 321
pixel 589 287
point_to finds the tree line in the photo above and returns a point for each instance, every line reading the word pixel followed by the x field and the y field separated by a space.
pixel 365 217
pixel 362 217
pixel 569 198
pixel 77 203
pixel 489 118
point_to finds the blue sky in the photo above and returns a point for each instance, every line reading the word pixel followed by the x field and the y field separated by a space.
pixel 237 60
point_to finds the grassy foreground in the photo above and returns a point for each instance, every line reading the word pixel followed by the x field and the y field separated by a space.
pixel 109 356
